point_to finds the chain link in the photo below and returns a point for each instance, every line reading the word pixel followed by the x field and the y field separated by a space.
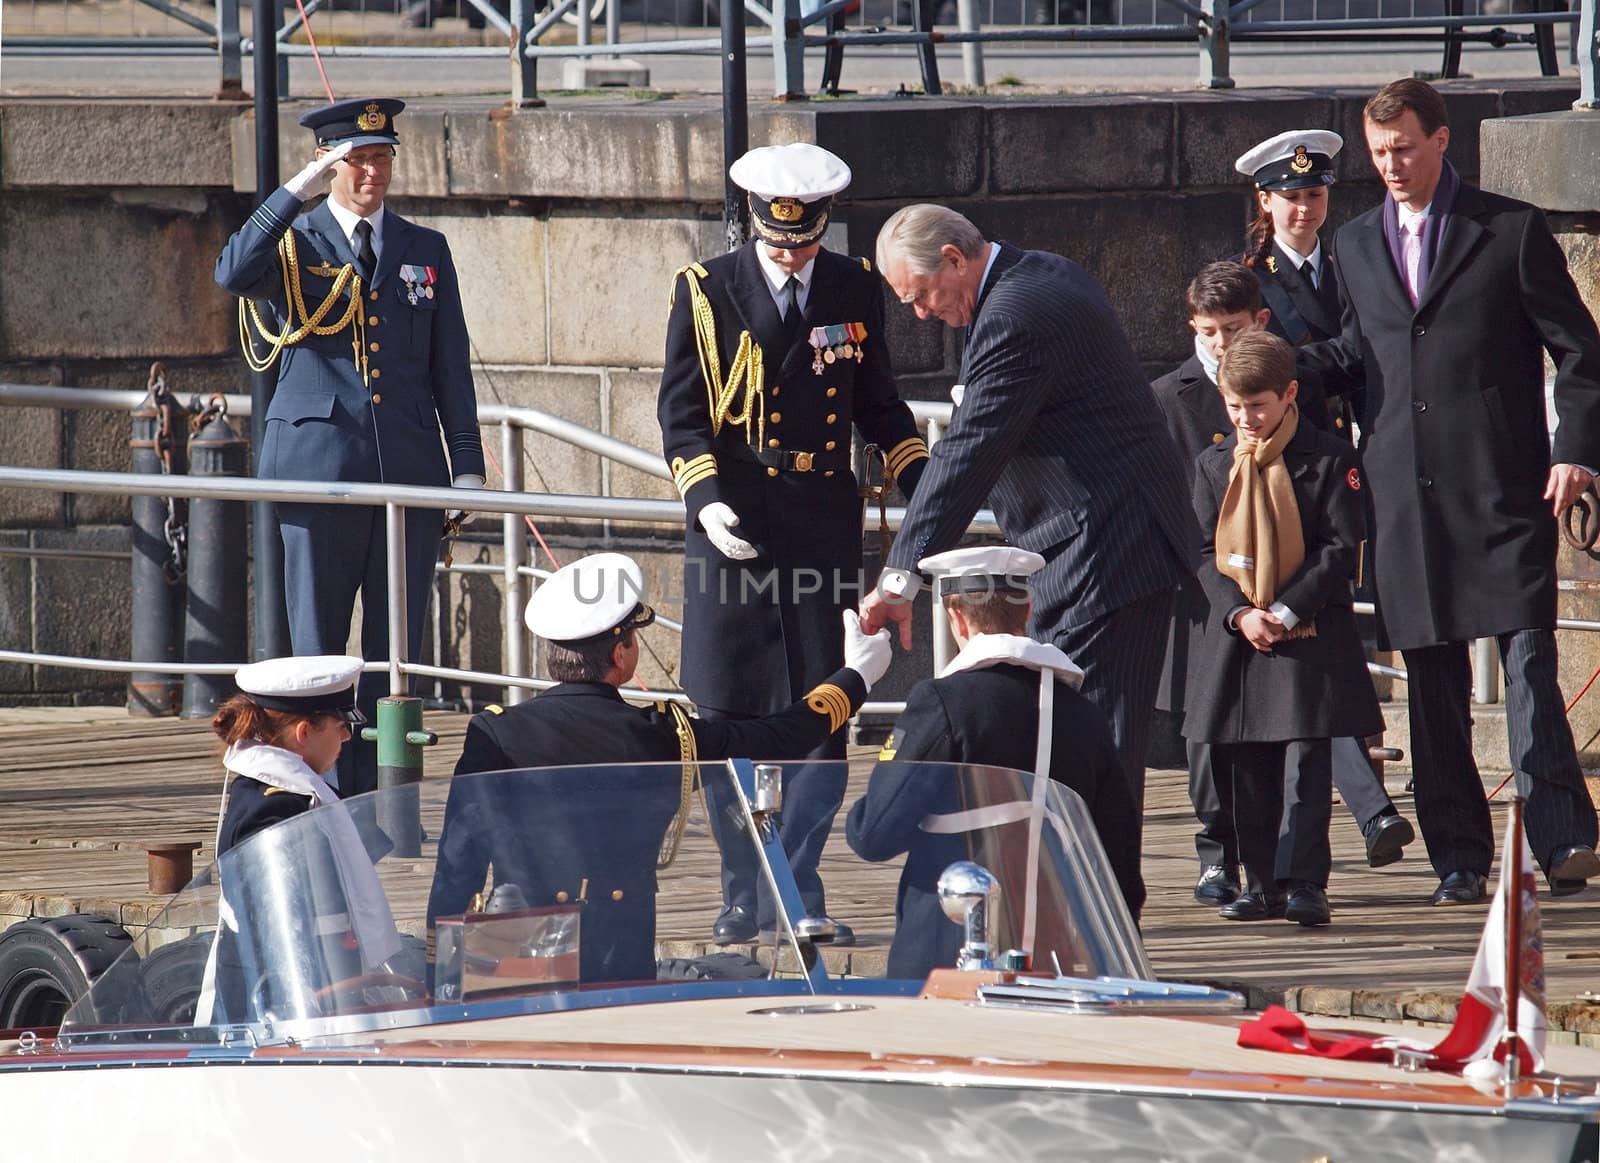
pixel 175 532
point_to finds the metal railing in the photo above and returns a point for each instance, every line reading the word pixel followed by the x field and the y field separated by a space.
pixel 791 27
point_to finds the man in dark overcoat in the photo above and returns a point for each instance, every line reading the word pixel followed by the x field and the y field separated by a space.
pixel 592 832
pixel 984 710
pixel 775 354
pixel 364 392
pixel 1452 296
pixel 1058 431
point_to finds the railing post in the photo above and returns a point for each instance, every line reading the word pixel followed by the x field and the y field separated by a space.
pixel 788 51
pixel 1485 671
pixel 1213 33
pixel 398 732
pixel 229 56
pixel 972 50
pixel 515 555
pixel 216 628
pixel 1588 52
pixel 944 642
pixel 524 68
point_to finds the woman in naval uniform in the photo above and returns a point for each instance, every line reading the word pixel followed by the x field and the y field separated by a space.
pixel 282 735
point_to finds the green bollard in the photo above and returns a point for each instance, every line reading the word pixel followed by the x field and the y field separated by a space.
pixel 400 738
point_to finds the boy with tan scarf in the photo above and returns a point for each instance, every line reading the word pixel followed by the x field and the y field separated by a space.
pixel 1280 507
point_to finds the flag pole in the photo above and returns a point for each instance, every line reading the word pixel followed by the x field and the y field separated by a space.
pixel 1511 881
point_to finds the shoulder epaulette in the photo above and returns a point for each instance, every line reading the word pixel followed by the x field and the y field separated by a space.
pixel 273 791
pixel 866 265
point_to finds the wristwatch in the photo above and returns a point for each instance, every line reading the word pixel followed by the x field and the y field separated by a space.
pixel 898 585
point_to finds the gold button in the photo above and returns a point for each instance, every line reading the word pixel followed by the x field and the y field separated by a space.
pixel 376 372
pixel 776 417
pixel 772 444
pixel 1217 438
pixel 832 417
pixel 377 397
pixel 373 296
pixel 832 392
pixel 372 320
pixel 372 347
pixel 776 389
pixel 561 897
pixel 616 894
pixel 772 472
pixel 831 445
pixel 829 473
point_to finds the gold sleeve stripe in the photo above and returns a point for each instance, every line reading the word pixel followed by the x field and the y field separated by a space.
pixel 832 702
pixel 908 450
pixel 688 473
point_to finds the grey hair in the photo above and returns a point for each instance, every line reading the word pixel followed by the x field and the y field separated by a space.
pixel 915 236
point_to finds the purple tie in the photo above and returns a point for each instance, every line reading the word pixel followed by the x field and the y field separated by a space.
pixel 1411 254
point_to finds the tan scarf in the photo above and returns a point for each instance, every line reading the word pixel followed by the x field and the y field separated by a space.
pixel 1259 543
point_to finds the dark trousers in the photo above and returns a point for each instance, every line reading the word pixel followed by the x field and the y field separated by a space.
pixel 329 553
pixel 1451 808
pixel 1121 655
pixel 1359 787
pixel 812 793
pixel 1266 816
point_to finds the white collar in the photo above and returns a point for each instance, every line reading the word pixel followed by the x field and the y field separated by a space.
pixel 1300 261
pixel 347 219
pixel 776 276
pixel 986 650
pixel 277 767
pixel 994 253
pixel 1407 217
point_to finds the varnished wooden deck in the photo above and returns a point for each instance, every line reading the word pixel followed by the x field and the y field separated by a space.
pixel 82 789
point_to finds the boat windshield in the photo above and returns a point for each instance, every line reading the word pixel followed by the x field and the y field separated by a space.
pixel 596 885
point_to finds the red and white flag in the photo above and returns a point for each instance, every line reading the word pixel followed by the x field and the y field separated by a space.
pixel 1481 1017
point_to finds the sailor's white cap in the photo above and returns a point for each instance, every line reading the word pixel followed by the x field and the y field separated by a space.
pixel 584 598
pixel 791 188
pixel 310 684
pixel 981 569
pixel 1292 160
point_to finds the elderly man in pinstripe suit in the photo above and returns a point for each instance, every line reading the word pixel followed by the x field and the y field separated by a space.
pixel 1057 427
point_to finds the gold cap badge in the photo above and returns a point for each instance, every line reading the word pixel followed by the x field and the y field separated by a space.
pixel 1301 163
pixel 786 209
pixel 374 119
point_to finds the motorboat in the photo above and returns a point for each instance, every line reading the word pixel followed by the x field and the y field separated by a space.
pixel 517 962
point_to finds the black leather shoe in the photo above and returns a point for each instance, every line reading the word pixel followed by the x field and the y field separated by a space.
pixel 1254 906
pixel 733 926
pixel 1571 868
pixel 1218 885
pixel 1307 905
pixel 1387 840
pixel 1464 887
pixel 843 934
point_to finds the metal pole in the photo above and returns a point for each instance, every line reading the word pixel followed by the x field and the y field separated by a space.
pixel 1587 48
pixel 971 51
pixel 514 554
pixel 1485 671
pixel 1511 896
pixel 585 22
pixel 159 558
pixel 394 525
pixel 215 626
pixel 1213 32
pixel 735 122
pixel 524 68
pixel 229 55
pixel 613 23
pixel 788 51
pixel 271 615
pixel 927 59
pixel 944 642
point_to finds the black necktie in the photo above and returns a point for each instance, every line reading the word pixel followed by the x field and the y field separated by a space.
pixel 789 299
pixel 365 255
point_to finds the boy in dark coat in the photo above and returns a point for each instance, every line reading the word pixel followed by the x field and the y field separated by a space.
pixel 1281 511
pixel 984 709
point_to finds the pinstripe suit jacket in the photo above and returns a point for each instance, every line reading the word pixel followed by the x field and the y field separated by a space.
pixel 1058 428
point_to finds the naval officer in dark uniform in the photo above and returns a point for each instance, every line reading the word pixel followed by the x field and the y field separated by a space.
pixel 774 353
pixel 595 834
pixel 984 709
pixel 363 393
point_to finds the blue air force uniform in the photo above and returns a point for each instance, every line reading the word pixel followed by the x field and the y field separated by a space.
pixel 362 396
pixel 757 411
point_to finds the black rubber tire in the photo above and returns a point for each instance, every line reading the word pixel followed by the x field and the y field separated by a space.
pixel 172 976
pixel 47 963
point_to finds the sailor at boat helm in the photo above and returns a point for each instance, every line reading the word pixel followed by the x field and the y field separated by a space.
pixel 589 835
pixel 283 733
pixel 985 709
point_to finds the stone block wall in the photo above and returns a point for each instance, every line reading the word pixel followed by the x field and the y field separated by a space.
pixel 566 224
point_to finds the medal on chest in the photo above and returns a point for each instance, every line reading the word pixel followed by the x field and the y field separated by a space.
pixel 834 342
pixel 418 282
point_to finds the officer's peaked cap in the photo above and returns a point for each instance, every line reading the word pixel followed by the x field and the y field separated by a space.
pixel 312 684
pixel 361 121
pixel 603 593
pixel 1292 160
pixel 982 569
pixel 791 188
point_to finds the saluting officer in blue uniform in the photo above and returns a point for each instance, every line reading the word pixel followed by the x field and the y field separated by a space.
pixel 594 833
pixel 773 353
pixel 361 311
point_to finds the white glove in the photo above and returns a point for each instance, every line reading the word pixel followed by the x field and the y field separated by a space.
pixel 305 182
pixel 718 520
pixel 866 654
pixel 466 480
